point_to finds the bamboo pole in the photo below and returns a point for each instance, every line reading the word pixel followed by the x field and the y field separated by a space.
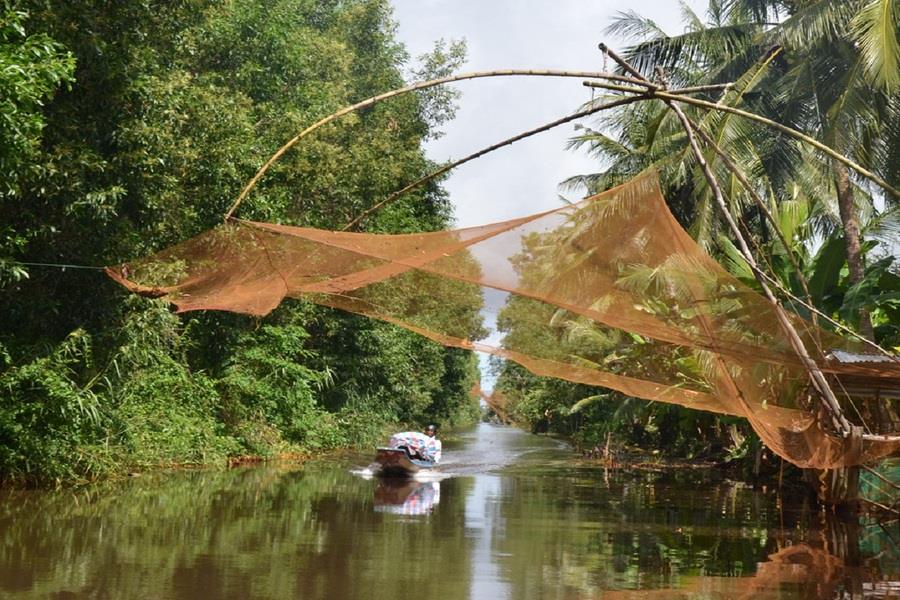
pixel 811 308
pixel 757 199
pixel 405 90
pixel 437 173
pixel 665 95
pixel 728 163
pixel 428 177
pixel 839 421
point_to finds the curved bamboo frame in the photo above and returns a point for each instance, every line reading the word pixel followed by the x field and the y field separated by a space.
pixel 487 150
pixel 412 88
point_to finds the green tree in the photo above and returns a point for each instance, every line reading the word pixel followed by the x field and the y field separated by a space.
pixel 828 75
pixel 32 68
pixel 173 107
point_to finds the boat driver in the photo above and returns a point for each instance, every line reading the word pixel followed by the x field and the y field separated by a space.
pixel 434 444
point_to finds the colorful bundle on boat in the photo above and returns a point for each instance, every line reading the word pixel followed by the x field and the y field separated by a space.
pixel 426 447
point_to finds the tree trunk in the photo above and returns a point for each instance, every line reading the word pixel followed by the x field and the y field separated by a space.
pixel 852 239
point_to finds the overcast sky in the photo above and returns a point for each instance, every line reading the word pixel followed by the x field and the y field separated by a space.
pixel 504 34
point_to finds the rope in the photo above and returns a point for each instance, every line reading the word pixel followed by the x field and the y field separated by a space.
pixel 55 265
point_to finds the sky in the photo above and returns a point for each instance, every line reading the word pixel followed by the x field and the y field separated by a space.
pixel 521 179
pixel 528 34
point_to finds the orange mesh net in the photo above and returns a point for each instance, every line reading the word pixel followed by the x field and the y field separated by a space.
pixel 610 291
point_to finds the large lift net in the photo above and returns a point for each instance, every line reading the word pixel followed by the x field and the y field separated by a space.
pixel 610 291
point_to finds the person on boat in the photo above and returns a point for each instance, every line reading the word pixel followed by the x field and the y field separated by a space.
pixel 423 446
pixel 433 445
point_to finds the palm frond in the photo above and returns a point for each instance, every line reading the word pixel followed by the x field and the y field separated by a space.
pixel 875 30
pixel 885 228
pixel 690 56
pixel 630 24
pixel 819 21
pixel 694 23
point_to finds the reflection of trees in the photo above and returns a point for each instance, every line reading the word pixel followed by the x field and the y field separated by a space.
pixel 312 532
pixel 271 533
pixel 574 536
pixel 656 534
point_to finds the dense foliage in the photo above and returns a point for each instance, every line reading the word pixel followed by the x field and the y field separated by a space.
pixel 829 69
pixel 135 124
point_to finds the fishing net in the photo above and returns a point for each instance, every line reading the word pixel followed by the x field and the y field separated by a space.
pixel 610 291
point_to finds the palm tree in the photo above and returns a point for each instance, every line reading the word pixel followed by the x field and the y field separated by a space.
pixel 837 77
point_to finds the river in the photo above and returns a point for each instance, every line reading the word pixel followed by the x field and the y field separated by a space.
pixel 511 515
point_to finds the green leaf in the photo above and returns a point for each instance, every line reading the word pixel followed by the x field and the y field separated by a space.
pixel 827 268
pixel 581 404
pixel 875 30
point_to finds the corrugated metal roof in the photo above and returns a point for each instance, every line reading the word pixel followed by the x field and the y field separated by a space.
pixel 843 356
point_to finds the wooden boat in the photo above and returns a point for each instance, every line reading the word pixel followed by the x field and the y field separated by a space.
pixel 396 462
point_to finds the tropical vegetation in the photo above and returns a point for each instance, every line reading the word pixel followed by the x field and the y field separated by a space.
pixel 132 125
pixel 828 68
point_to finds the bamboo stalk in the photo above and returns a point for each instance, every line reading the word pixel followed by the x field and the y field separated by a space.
pixel 653 90
pixel 837 325
pixel 881 506
pixel 711 87
pixel 757 199
pixel 405 90
pixel 818 379
pixel 881 477
pixel 665 95
pixel 626 66
pixel 394 195
pixel 839 421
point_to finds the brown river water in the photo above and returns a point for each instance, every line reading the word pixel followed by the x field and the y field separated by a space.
pixel 510 515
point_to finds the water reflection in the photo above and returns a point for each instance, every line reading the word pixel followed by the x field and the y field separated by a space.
pixel 403 496
pixel 530 525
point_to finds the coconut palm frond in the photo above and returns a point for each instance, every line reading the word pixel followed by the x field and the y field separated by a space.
pixel 875 30
pixel 690 18
pixel 689 56
pixel 885 228
pixel 886 151
pixel 599 145
pixel 630 24
pixel 823 20
pixel 758 11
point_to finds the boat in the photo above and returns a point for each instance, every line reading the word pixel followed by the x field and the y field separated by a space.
pixel 397 462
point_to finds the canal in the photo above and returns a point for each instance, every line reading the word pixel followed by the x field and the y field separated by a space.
pixel 511 515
